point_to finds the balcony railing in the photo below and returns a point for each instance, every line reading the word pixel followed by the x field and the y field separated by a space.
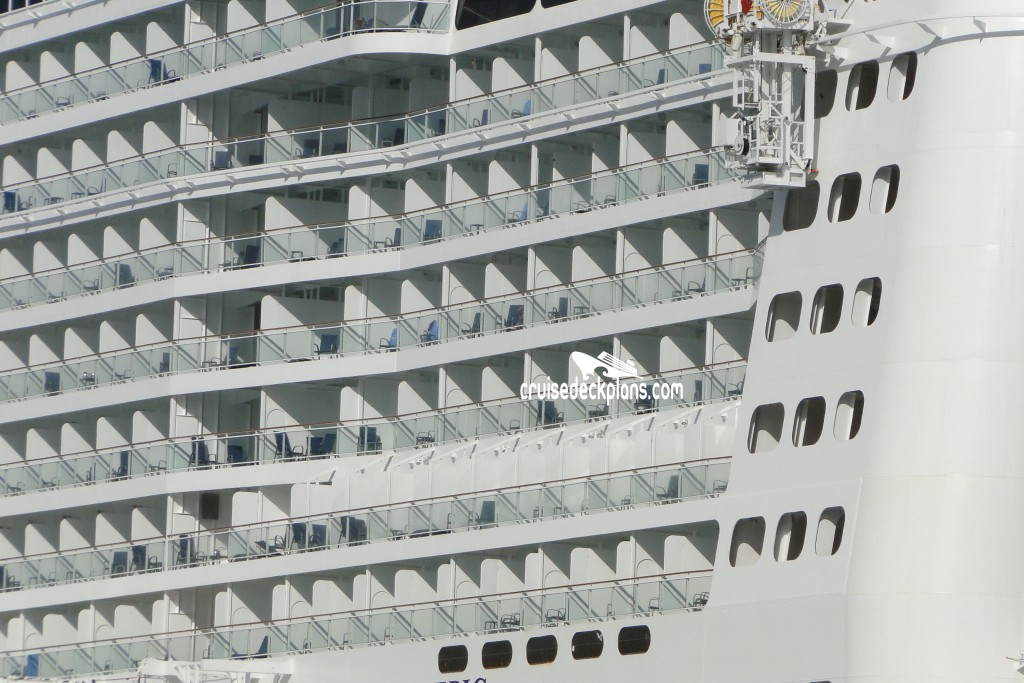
pixel 680 64
pixel 391 333
pixel 582 194
pixel 246 45
pixel 444 515
pixel 555 606
pixel 358 437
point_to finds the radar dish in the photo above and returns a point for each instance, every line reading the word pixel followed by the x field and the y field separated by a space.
pixel 785 12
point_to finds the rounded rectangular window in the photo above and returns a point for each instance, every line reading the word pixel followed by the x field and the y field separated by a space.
pixel 766 427
pixel 825 87
pixel 452 659
pixel 884 189
pixel 784 316
pixel 845 198
pixel 827 309
pixel 866 301
pixel 496 655
pixel 541 650
pixel 848 415
pixel 634 640
pixel 809 421
pixel 747 541
pixel 902 76
pixel 587 645
pixel 789 537
pixel 860 89
pixel 830 531
pixel 801 207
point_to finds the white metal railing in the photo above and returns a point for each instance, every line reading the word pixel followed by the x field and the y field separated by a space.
pixel 246 45
pixel 388 522
pixel 426 428
pixel 668 282
pixel 671 592
pixel 623 185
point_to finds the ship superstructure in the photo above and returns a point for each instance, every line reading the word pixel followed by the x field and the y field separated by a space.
pixel 469 341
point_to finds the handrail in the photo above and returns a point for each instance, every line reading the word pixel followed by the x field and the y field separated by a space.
pixel 479 199
pixel 193 44
pixel 665 576
pixel 518 89
pixel 171 536
pixel 723 256
pixel 267 431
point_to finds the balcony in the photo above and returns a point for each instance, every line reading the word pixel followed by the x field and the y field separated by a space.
pixel 206 56
pixel 300 442
pixel 449 514
pixel 677 592
pixel 580 195
pixel 427 127
pixel 671 282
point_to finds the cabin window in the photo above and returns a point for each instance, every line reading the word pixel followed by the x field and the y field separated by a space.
pixel 766 427
pixel 453 659
pixel 825 87
pixel 747 541
pixel 801 207
pixel 848 415
pixel 830 531
pixel 902 76
pixel 808 422
pixel 784 316
pixel 866 301
pixel 496 655
pixel 479 12
pixel 634 640
pixel 541 650
pixel 789 537
pixel 845 198
pixel 860 90
pixel 587 645
pixel 827 309
pixel 884 189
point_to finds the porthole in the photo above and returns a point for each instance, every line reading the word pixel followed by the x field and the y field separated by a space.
pixel 866 301
pixel 766 427
pixel 830 531
pixel 884 189
pixel 789 537
pixel 801 207
pixel 747 541
pixel 541 650
pixel 496 655
pixel 784 316
pixel 902 76
pixel 634 640
pixel 587 645
pixel 845 198
pixel 453 659
pixel 808 422
pixel 827 309
pixel 860 89
pixel 849 413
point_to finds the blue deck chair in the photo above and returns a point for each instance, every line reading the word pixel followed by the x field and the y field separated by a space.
pixel 200 455
pixel 337 248
pixel 328 344
pixel 432 230
pixel 221 160
pixel 514 318
pixel 431 334
pixel 704 68
pixel 165 362
pixel 31 666
pixel 547 414
pixel 525 111
pixel 250 256
pixel 10 201
pixel 138 558
pixel 482 121
pixel 261 652
pixel 284 446
pixel 369 441
pixel 487 512
pixel 671 491
pixel 125 277
pixel 299 535
pixel 390 343
pixel 119 563
pixel 561 311
pixel 474 329
pixel 122 467
pixel 236 454
pixel 323 445
pixel 51 382
pixel 520 215
pixel 701 174
pixel 318 539
pixel 645 405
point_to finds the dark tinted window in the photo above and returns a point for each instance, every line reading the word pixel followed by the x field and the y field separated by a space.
pixel 452 659
pixel 478 12
pixel 497 655
pixel 541 650
pixel 634 640
pixel 587 645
